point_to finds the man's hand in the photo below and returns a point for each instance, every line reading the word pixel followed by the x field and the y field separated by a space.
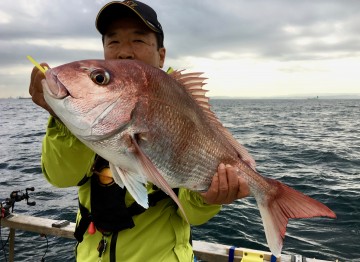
pixel 36 90
pixel 226 186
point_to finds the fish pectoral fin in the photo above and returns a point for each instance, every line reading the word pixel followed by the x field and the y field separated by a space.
pixel 116 176
pixel 155 176
pixel 134 183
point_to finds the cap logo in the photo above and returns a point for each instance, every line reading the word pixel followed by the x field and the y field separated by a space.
pixel 130 3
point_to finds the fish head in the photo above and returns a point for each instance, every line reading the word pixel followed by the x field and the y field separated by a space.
pixel 94 98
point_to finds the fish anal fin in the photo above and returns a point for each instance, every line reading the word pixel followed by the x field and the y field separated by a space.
pixel 283 203
pixel 155 176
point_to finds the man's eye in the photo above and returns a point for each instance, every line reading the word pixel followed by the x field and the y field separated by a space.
pixel 113 42
pixel 139 41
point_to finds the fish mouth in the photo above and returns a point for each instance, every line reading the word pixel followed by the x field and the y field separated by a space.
pixel 57 96
pixel 53 86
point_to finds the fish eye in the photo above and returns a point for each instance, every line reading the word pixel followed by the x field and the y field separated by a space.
pixel 100 77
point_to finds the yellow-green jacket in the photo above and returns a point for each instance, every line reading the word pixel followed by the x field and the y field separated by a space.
pixel 160 233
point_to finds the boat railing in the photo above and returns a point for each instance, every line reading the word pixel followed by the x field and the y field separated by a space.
pixel 204 251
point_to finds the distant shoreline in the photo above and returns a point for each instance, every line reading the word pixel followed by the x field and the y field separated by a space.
pixel 305 97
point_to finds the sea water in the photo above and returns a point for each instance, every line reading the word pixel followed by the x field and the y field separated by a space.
pixel 311 145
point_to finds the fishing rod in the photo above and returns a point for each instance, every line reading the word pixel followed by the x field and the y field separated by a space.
pixel 15 196
pixel 7 208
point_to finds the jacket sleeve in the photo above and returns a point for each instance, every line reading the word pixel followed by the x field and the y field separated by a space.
pixel 65 160
pixel 197 211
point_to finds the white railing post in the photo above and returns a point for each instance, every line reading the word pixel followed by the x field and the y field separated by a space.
pixel 11 244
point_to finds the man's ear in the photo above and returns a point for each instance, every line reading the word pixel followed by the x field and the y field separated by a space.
pixel 162 54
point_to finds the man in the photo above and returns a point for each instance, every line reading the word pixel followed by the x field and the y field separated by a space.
pixel 110 225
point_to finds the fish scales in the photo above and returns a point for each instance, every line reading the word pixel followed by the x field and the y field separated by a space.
pixel 185 146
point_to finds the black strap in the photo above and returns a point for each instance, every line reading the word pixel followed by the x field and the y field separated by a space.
pixel 113 247
pixel 99 164
pixel 83 180
pixel 83 223
pixel 159 195
pixel 153 198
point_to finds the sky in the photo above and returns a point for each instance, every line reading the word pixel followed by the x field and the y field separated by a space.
pixel 246 48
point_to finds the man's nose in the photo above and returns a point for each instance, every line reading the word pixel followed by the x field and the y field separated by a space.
pixel 125 52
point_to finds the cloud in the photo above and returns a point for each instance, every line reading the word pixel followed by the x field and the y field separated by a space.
pixel 60 31
pixel 260 27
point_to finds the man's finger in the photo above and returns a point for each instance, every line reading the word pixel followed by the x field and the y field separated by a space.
pixel 211 195
pixel 223 182
pixel 233 183
pixel 244 189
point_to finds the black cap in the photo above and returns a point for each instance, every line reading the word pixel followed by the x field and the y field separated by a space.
pixel 116 9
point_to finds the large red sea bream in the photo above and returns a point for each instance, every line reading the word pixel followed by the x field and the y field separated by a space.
pixel 156 127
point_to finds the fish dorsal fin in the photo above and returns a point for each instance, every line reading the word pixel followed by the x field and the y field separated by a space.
pixel 193 84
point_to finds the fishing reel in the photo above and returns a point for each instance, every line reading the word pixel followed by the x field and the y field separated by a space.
pixel 15 196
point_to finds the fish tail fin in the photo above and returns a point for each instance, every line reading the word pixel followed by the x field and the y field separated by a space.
pixel 281 203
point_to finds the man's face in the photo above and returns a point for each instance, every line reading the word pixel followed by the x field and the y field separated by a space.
pixel 130 38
